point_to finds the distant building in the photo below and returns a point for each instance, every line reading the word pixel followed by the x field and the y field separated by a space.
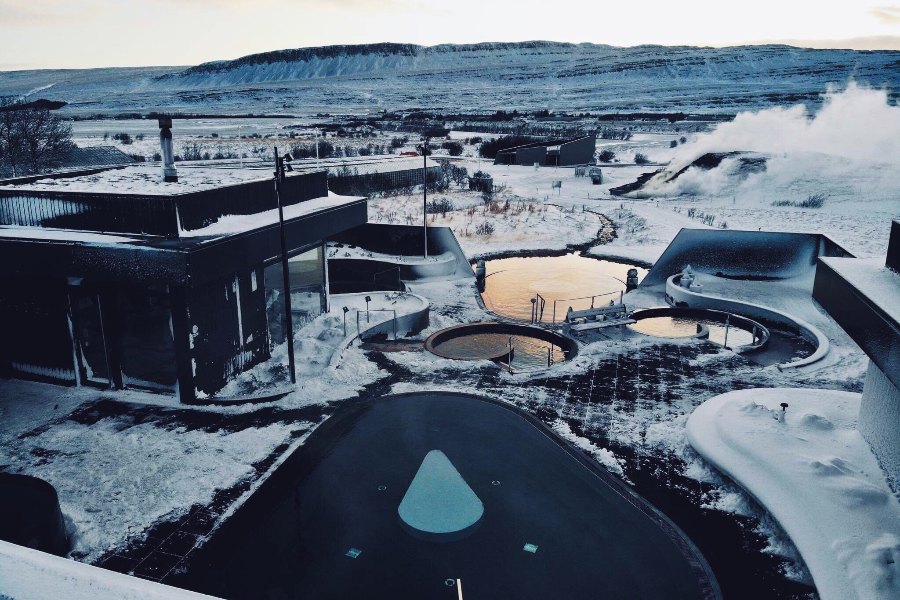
pixel 863 296
pixel 120 280
pixel 569 152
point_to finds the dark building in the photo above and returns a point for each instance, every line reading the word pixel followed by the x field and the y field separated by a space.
pixel 120 280
pixel 562 153
pixel 863 296
pixel 358 176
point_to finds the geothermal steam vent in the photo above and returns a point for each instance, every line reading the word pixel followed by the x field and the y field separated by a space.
pixel 439 504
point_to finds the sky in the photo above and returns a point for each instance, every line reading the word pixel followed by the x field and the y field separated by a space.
pixel 100 33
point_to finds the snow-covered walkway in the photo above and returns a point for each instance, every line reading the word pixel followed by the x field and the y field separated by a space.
pixel 811 469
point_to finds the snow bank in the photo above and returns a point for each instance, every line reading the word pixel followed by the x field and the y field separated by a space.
pixel 815 473
pixel 27 574
pixel 115 478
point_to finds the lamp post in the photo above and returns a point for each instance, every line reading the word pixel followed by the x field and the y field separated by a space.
pixel 285 271
pixel 425 139
pixel 368 299
pixel 345 320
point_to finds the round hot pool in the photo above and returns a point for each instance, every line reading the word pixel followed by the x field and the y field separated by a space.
pixel 529 347
pixel 571 280
pixel 721 328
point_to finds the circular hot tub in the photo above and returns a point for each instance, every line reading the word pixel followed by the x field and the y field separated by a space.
pixel 725 329
pixel 520 346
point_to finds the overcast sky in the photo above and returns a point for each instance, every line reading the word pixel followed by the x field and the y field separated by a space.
pixel 99 33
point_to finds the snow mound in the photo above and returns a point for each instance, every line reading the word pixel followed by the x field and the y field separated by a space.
pixel 814 472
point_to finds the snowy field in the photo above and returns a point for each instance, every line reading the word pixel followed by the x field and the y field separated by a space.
pixel 125 463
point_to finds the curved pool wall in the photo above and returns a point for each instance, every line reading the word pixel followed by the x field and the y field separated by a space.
pixel 409 321
pixel 568 345
pixel 592 534
pixel 403 241
pixel 750 254
pixel 682 297
pixel 710 315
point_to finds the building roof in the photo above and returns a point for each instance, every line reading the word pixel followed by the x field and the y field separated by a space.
pixel 142 180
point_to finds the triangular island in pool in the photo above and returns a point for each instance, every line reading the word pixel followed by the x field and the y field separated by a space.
pixel 344 516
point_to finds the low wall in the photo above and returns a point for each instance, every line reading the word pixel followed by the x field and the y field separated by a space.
pixel 402 241
pixel 750 254
pixel 680 296
pixel 879 415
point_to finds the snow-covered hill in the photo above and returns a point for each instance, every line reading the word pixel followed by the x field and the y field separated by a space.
pixel 471 77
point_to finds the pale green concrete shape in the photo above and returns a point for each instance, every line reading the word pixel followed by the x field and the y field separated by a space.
pixel 439 501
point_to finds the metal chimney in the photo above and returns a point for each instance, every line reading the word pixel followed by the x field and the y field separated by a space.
pixel 170 174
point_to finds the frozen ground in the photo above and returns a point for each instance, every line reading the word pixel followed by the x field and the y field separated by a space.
pixel 813 470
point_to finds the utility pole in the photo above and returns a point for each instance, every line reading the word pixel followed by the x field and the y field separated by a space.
pixel 285 271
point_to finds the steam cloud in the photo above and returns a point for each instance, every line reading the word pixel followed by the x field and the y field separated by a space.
pixel 855 133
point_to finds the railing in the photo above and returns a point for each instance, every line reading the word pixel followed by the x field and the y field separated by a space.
pixel 511 353
pixel 537 308
pixel 592 298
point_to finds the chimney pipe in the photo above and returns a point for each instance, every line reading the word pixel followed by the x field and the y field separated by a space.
pixel 170 174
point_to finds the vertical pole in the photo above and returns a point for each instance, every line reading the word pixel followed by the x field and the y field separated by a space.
pixel 425 193
pixel 727 322
pixel 621 297
pixel 549 355
pixel 285 271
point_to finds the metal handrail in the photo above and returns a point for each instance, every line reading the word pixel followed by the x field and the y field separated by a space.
pixel 620 292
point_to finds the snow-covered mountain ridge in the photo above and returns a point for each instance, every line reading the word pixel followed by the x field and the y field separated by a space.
pixel 472 77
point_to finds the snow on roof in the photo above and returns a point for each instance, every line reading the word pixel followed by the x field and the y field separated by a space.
pixel 873 279
pixel 144 179
pixel 238 223
pixel 66 235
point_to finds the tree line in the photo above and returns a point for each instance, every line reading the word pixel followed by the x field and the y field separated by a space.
pixel 31 137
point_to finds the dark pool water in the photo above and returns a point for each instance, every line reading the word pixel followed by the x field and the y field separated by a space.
pixel 528 353
pixel 326 524
pixel 511 283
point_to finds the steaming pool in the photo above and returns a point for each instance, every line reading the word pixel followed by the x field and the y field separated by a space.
pixel 532 348
pixel 571 280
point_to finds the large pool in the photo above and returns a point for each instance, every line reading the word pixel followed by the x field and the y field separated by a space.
pixel 571 280
pixel 413 496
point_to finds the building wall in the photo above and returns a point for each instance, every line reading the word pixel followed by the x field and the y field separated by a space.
pixel 36 340
pixel 529 156
pixel 226 329
pixel 578 152
pixel 879 422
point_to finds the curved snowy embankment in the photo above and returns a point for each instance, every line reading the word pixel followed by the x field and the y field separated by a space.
pixel 26 574
pixel 817 476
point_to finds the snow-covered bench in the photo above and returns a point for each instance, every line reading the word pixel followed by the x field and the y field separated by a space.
pixel 596 318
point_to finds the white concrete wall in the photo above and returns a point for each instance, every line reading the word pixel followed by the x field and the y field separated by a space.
pixel 809 332
pixel 27 574
pixel 879 422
